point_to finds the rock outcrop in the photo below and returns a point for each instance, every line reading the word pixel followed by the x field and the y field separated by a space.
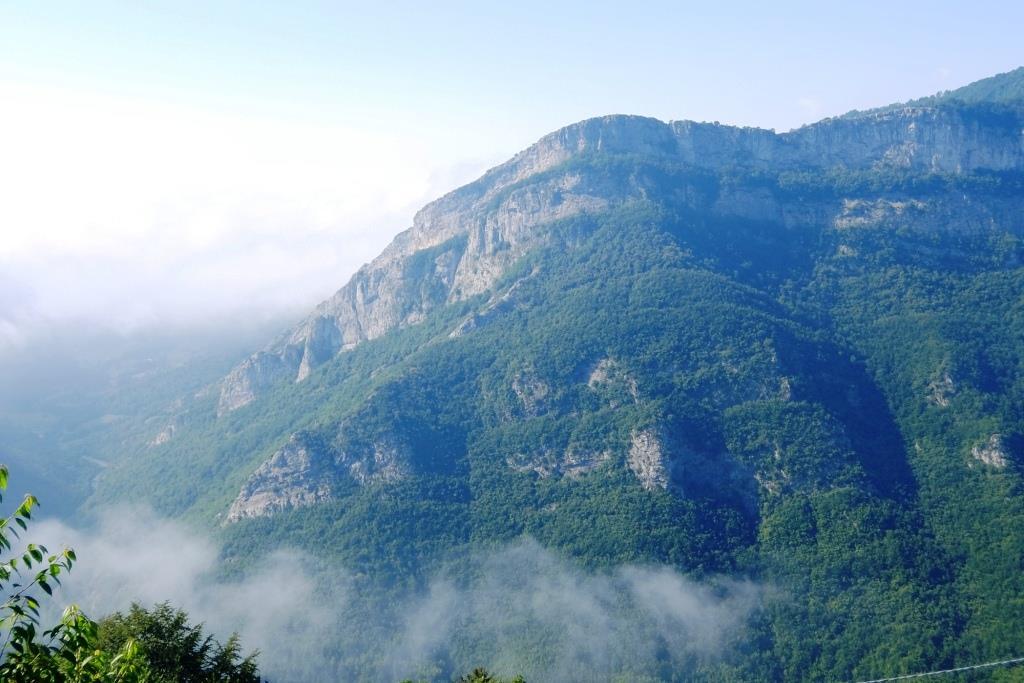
pixel 163 436
pixel 296 476
pixel 499 304
pixel 531 392
pixel 941 390
pixel 648 459
pixel 573 462
pixel 608 376
pixel 992 452
pixel 305 472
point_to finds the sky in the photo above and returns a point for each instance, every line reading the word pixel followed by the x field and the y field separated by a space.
pixel 182 162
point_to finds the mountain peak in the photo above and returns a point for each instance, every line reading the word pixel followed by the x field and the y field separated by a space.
pixel 460 245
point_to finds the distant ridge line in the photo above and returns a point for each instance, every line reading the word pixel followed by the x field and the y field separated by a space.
pixel 942 672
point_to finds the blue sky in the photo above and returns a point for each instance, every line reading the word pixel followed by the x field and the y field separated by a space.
pixel 296 138
pixel 524 66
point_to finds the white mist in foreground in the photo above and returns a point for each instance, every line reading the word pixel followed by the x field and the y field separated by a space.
pixel 133 556
pixel 523 609
pixel 525 597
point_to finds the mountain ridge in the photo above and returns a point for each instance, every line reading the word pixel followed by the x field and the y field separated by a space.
pixel 1003 91
pixel 793 358
pixel 365 308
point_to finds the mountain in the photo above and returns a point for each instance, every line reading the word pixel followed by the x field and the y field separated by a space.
pixel 476 233
pixel 793 358
pixel 73 393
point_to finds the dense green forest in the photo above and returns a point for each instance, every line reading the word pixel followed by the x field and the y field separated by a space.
pixel 805 380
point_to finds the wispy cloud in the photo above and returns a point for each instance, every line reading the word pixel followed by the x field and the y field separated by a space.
pixel 524 599
pixel 519 608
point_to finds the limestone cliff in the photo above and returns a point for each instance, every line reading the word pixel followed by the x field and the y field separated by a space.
pixel 459 245
pixel 306 471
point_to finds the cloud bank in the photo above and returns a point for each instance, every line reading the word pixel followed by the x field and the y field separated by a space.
pixel 518 609
pixel 529 611
pixel 129 211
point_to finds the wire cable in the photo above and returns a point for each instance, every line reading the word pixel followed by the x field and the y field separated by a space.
pixel 943 672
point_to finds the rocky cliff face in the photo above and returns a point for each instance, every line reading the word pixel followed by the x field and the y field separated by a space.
pixel 297 475
pixel 459 245
pixel 993 452
pixel 306 471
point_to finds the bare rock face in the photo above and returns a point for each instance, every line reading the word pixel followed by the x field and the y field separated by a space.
pixel 577 461
pixel 448 255
pixel 993 452
pixel 496 306
pixel 386 459
pixel 771 477
pixel 163 436
pixel 941 390
pixel 532 393
pixel 785 389
pixel 543 463
pixel 255 375
pixel 918 138
pixel 574 462
pixel 302 473
pixel 648 459
pixel 295 476
pixel 608 375
pixel 863 213
pixel 323 339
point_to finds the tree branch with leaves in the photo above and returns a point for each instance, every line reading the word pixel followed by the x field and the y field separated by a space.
pixel 67 652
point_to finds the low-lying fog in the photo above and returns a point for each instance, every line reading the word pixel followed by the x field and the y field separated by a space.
pixel 312 622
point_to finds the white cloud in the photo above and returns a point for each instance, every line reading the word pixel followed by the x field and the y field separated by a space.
pixel 593 624
pixel 316 622
pixel 126 211
pixel 133 556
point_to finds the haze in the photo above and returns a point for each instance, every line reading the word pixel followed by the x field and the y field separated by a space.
pixel 185 162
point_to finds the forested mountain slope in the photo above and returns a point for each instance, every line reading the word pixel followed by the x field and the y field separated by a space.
pixel 74 397
pixel 796 358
